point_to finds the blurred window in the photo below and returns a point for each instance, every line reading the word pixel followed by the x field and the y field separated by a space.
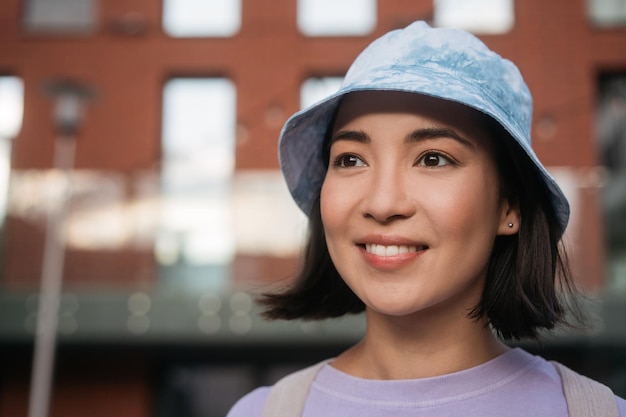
pixel 11 111
pixel 316 89
pixel 195 242
pixel 201 18
pixel 336 17
pixel 478 16
pixel 611 135
pixel 60 15
pixel 607 12
pixel 11 106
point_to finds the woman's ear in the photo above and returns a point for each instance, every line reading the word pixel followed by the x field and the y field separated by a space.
pixel 510 219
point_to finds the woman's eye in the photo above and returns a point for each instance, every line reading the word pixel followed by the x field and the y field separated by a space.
pixel 433 159
pixel 349 160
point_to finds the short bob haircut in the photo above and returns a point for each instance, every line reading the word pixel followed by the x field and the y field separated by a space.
pixel 528 287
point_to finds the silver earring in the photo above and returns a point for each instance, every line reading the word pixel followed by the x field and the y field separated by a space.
pixel 510 224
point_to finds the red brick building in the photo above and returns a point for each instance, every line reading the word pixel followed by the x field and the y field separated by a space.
pixel 134 335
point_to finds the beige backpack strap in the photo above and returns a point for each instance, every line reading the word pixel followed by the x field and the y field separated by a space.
pixel 586 397
pixel 288 395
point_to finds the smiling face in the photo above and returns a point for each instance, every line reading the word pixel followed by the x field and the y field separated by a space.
pixel 410 203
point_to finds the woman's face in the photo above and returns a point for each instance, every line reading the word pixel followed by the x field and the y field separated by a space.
pixel 410 203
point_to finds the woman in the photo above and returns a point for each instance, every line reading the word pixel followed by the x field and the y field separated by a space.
pixel 430 212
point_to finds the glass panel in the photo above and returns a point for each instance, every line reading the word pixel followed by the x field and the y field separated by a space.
pixel 316 89
pixel 611 134
pixel 336 17
pixel 201 18
pixel 607 12
pixel 267 221
pixel 60 15
pixel 478 16
pixel 196 238
pixel 117 230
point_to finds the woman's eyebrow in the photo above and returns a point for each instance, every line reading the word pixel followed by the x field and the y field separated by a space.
pixel 435 133
pixel 351 135
pixel 415 136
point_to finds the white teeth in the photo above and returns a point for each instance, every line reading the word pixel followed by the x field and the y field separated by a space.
pixel 380 250
pixel 392 250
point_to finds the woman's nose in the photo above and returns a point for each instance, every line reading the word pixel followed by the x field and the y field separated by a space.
pixel 387 197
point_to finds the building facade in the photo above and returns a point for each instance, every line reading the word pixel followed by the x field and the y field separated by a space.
pixel 176 211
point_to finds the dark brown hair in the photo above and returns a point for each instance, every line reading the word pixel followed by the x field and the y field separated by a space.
pixel 528 285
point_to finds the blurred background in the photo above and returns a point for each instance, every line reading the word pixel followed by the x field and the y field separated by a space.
pixel 141 206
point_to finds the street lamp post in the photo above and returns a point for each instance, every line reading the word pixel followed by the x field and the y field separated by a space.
pixel 69 100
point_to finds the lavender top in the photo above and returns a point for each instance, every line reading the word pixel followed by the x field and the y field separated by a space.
pixel 513 384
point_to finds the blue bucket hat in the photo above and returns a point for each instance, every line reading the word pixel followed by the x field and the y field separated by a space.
pixel 449 64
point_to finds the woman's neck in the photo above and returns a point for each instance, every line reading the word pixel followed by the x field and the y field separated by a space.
pixel 419 347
